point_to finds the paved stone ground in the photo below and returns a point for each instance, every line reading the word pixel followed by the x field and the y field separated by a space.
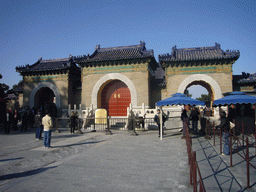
pixel 118 162
pixel 95 162
pixel 216 171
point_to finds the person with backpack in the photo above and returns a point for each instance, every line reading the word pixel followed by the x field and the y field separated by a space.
pixel 39 126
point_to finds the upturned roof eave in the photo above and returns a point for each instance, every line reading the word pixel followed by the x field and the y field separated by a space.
pixel 195 60
pixel 111 60
pixel 41 70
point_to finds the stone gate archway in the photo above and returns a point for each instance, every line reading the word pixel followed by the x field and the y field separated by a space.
pixel 49 85
pixel 201 79
pixel 43 96
pixel 115 97
pixel 110 77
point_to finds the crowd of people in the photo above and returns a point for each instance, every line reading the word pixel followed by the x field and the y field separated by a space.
pixel 191 115
pixel 41 120
pixel 14 118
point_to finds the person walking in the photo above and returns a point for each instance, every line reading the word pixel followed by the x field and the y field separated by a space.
pixel 24 122
pixel 72 122
pixel 38 125
pixel 185 121
pixel 47 123
pixel 157 120
pixel 8 121
pixel 194 117
pixel 224 126
pixel 16 118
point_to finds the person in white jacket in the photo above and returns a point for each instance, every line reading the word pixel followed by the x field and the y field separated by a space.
pixel 47 123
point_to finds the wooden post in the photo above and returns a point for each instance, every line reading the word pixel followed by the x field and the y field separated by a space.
pixel 230 148
pixel 247 163
pixel 243 132
pixel 194 172
pixel 214 132
pixel 161 124
pixel 220 142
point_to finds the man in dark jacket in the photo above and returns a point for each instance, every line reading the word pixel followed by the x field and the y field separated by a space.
pixel 194 117
pixel 224 126
pixel 24 122
pixel 157 120
pixel 38 124
pixel 16 118
pixel 8 120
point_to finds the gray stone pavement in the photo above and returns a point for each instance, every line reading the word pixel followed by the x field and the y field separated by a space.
pixel 118 162
pixel 95 162
pixel 216 171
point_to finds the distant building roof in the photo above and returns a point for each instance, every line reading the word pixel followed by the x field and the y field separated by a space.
pixel 159 73
pixel 47 65
pixel 116 53
pixel 11 96
pixel 248 80
pixel 199 53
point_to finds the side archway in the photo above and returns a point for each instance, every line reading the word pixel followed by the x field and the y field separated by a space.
pixel 216 90
pixel 48 85
pixel 114 76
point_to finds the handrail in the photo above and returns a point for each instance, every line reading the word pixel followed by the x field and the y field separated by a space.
pixel 194 168
pixel 242 141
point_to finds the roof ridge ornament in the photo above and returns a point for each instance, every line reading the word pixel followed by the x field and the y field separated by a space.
pixel 174 51
pixel 97 47
pixel 143 44
pixel 217 45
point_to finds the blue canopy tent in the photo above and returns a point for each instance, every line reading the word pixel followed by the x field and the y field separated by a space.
pixel 235 97
pixel 176 99
pixel 179 99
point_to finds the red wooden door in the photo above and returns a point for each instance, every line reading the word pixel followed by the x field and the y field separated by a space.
pixel 115 98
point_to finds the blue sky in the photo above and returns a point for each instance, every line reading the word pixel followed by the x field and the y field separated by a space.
pixel 52 29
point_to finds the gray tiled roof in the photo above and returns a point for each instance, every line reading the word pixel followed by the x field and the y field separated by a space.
pixel 116 53
pixel 250 79
pixel 199 53
pixel 47 65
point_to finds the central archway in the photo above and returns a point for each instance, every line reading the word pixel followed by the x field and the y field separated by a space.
pixel 115 98
pixel 106 79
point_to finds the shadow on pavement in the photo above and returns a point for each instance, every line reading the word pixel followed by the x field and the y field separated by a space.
pixel 76 144
pixel 24 174
pixel 11 159
pixel 64 136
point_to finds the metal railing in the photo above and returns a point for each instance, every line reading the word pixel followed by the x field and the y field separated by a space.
pixel 241 141
pixel 116 123
pixel 195 174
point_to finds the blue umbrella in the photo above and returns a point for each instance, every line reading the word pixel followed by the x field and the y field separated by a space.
pixel 235 97
pixel 179 99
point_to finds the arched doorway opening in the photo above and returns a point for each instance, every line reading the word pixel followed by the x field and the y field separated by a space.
pixel 115 97
pixel 201 87
pixel 43 97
